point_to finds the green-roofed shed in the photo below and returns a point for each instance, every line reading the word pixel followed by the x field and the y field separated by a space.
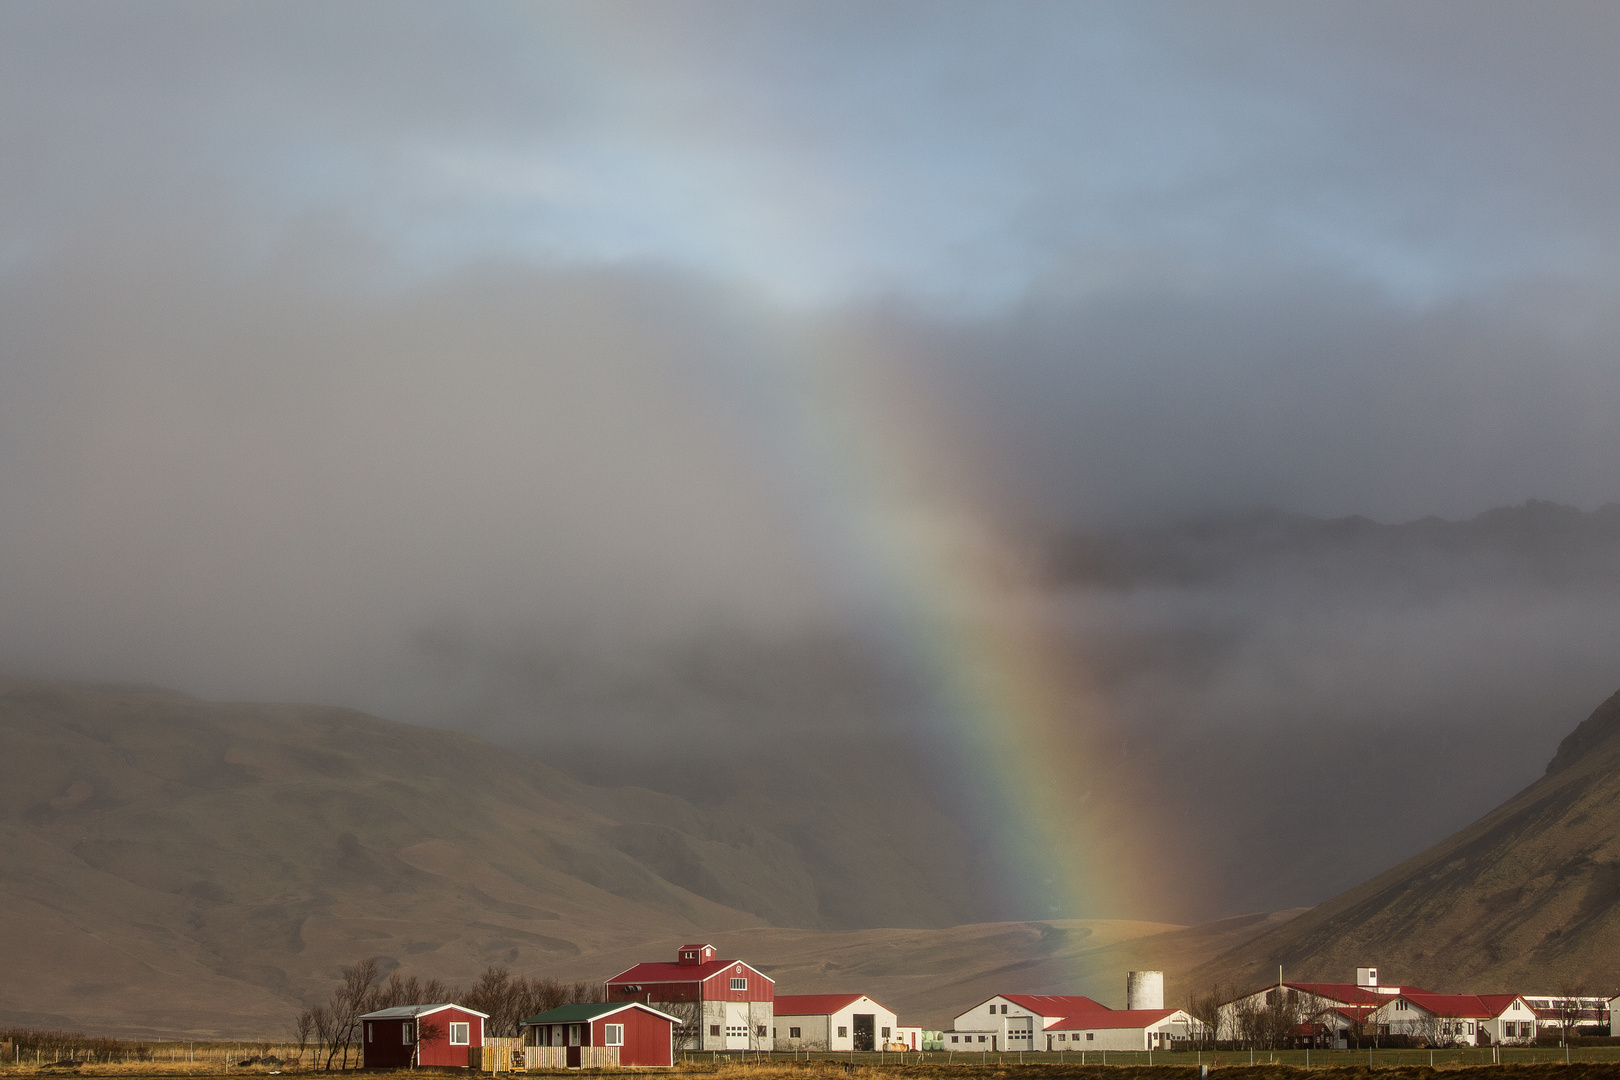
pixel 623 1033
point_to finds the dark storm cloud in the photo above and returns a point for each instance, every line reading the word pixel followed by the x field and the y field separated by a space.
pixel 411 356
pixel 1316 394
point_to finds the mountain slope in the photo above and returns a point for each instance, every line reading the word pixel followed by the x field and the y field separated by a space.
pixel 1527 897
pixel 180 867
pixel 226 859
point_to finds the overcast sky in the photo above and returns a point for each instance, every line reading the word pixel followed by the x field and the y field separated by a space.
pixel 341 343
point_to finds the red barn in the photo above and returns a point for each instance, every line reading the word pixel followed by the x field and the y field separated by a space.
pixel 723 1004
pixel 623 1033
pixel 427 1035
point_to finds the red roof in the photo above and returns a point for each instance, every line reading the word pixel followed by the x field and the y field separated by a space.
pixel 814 1004
pixel 1101 1019
pixel 683 948
pixel 1343 993
pixel 1466 1006
pixel 1351 994
pixel 1052 1004
pixel 1498 1003
pixel 679 973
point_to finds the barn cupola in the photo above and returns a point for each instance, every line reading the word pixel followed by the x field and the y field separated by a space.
pixel 693 955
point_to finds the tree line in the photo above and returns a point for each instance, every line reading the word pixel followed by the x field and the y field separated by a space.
pixel 332 1029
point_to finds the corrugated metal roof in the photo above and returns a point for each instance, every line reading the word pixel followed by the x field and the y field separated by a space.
pixel 1452 1006
pixel 815 1004
pixel 405 1012
pixel 660 972
pixel 578 1014
pixel 1105 1019
pixel 1051 1004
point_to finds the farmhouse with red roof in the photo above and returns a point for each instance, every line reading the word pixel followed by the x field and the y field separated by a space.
pixel 1339 1014
pixel 834 1022
pixel 721 1004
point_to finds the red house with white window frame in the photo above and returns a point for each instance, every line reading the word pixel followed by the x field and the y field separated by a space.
pixel 639 1035
pixel 408 1036
pixel 731 1003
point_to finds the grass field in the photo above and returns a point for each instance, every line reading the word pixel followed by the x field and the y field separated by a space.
pixel 1517 1064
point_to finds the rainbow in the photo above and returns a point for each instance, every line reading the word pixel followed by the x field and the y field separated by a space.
pixel 909 521
pixel 891 499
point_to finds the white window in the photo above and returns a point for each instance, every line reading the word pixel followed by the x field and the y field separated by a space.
pixel 612 1034
pixel 885 1033
pixel 371 1036
pixel 1090 1036
pixel 739 984
pixel 953 1038
pixel 405 1033
pixel 793 1033
pixel 843 1032
pixel 461 1034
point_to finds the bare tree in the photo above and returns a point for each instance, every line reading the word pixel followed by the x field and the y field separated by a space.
pixel 336 1024
pixel 303 1026
pixel 688 1014
pixel 501 996
pixel 1431 1029
pixel 1272 1020
pixel 1571 1005
pixel 1207 1008
pixel 409 990
pixel 320 1018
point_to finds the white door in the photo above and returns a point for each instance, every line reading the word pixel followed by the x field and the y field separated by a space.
pixel 737 1025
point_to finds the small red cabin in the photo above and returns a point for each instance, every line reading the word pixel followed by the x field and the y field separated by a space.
pixel 408 1036
pixel 633 1034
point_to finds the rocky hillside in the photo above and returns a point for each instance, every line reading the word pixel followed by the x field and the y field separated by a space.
pixel 1528 897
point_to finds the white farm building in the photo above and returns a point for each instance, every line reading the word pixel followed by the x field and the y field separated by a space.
pixel 1050 1022
pixel 835 1022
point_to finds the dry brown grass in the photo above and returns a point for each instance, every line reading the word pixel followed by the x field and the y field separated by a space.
pixel 832 1070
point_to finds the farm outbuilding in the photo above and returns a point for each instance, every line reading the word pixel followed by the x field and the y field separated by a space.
pixel 1123 1029
pixel 601 1035
pixel 834 1022
pixel 1013 1021
pixel 410 1036
pixel 722 1004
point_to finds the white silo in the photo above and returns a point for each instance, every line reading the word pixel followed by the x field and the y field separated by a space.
pixel 1144 990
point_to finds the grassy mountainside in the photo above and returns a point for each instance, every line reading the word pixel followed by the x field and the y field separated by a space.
pixel 230 857
pixel 169 865
pixel 1526 898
